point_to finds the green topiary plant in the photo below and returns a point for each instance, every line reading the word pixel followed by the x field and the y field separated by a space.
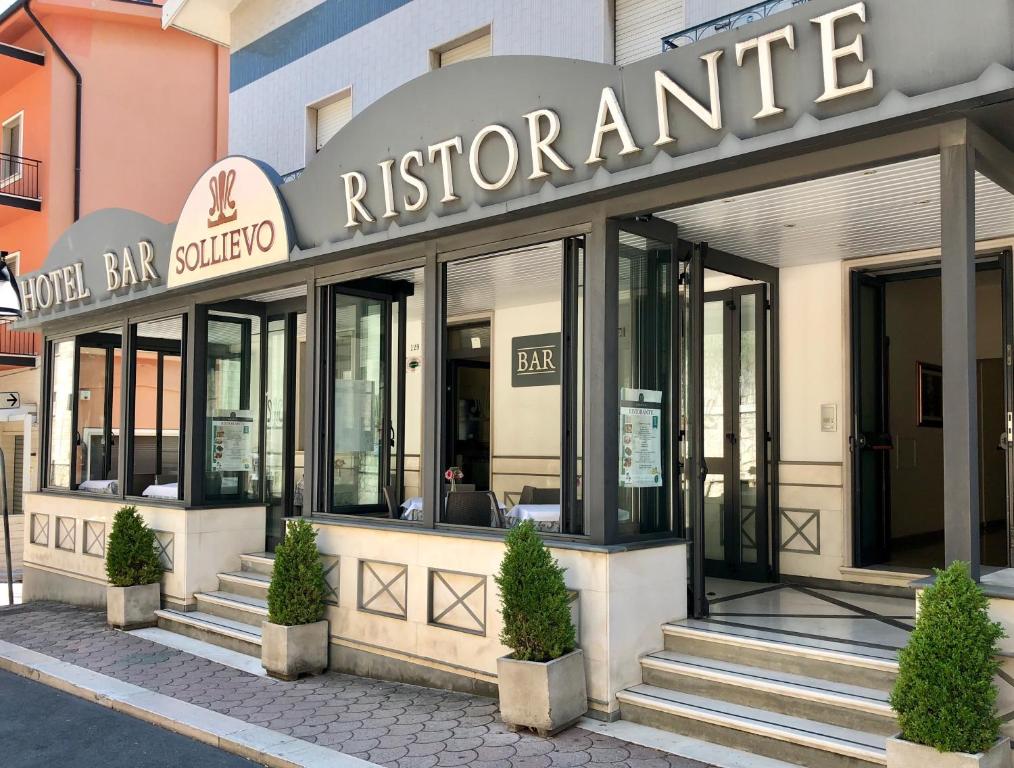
pixel 535 603
pixel 945 696
pixel 131 559
pixel 297 590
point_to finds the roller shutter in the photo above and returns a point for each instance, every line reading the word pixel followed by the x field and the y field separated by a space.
pixel 331 117
pixel 641 24
pixel 473 49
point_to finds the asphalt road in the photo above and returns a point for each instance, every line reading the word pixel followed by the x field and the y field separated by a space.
pixel 41 727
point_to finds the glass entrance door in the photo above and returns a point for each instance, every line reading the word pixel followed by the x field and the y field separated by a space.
pixel 735 433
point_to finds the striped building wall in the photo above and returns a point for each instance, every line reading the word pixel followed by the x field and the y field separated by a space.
pixel 291 62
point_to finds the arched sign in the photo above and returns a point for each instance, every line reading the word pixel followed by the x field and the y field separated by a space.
pixel 232 222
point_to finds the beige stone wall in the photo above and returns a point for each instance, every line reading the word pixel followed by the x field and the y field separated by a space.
pixel 618 618
pixel 66 536
pixel 17 533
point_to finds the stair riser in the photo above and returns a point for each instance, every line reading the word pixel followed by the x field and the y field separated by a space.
pixel 809 709
pixel 736 739
pixel 257 565
pixel 782 662
pixel 234 612
pixel 247 589
pixel 210 636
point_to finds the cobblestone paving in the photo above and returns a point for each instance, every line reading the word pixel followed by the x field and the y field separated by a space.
pixel 390 724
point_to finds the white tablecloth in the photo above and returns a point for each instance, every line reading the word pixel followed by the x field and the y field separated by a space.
pixel 545 516
pixel 99 486
pixel 164 491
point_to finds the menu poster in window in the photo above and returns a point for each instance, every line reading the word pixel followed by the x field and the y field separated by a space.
pixel 641 439
pixel 231 443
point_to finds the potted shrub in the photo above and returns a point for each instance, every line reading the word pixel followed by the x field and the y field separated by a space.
pixel 133 571
pixel 542 683
pixel 945 696
pixel 294 640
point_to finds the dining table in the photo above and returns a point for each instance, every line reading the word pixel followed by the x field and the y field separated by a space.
pixel 413 507
pixel 545 517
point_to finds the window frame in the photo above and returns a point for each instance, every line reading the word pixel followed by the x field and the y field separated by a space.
pixel 131 409
pixel 6 179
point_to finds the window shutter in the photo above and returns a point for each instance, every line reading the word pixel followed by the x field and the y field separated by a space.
pixel 473 49
pixel 331 117
pixel 641 24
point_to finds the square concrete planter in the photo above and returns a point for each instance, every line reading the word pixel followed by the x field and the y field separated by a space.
pixel 907 754
pixel 133 607
pixel 544 696
pixel 288 652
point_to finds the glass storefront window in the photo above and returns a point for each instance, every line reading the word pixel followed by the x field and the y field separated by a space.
pixel 157 408
pixel 97 424
pixel 61 410
pixel 645 378
pixel 512 379
pixel 233 410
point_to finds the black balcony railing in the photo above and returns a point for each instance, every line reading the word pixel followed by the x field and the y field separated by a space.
pixel 731 21
pixel 19 176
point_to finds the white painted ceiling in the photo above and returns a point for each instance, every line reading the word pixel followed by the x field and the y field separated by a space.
pixel 889 209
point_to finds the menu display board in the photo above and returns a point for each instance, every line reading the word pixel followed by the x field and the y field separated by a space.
pixel 231 442
pixel 641 439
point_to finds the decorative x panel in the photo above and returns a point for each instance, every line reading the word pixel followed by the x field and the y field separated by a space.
pixel 165 547
pixel 40 530
pixel 66 533
pixel 330 563
pixel 801 531
pixel 383 588
pixel 94 538
pixel 458 601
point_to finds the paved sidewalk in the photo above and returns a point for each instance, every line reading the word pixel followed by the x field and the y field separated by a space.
pixel 390 724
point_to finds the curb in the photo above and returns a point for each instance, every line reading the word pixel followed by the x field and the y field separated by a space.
pixel 230 734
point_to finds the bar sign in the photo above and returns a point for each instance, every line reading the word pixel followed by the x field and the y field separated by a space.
pixel 536 360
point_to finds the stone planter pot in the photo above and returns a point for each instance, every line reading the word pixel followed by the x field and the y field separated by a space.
pixel 544 696
pixel 133 607
pixel 906 754
pixel 288 652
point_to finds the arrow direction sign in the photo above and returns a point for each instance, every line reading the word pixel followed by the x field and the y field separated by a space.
pixel 9 400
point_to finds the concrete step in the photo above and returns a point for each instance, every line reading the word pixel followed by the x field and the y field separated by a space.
pixel 229 605
pixel 234 635
pixel 258 562
pixel 848 706
pixel 826 660
pixel 782 737
pixel 246 583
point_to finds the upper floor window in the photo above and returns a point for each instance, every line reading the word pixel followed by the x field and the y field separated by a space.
pixel 474 45
pixel 329 116
pixel 10 147
pixel 640 26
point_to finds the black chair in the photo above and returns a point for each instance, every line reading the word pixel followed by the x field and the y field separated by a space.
pixel 546 496
pixel 527 494
pixel 477 508
pixel 392 504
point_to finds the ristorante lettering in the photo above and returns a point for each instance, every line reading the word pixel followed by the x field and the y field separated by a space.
pixel 238 243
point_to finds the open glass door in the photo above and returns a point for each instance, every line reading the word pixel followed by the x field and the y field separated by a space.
pixel 363 468
pixel 735 430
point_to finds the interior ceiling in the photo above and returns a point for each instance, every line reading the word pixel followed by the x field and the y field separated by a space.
pixel 889 209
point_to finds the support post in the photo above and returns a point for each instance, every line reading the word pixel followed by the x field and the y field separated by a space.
pixel 961 439
pixel 434 394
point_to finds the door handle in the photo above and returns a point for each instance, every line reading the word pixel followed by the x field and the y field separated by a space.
pixel 731 437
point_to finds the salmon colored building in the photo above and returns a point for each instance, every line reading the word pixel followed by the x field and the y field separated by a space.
pixel 99 108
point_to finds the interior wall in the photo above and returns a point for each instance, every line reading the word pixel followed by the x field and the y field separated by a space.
pixel 913 324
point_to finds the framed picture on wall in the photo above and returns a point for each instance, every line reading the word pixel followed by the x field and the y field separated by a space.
pixel 930 395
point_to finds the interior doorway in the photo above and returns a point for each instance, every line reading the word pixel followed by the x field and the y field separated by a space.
pixel 898 428
pixel 469 403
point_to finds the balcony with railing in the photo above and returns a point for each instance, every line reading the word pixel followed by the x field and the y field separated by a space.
pixel 729 21
pixel 19 182
pixel 17 347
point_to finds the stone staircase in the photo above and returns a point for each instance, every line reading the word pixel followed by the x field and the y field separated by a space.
pixel 793 699
pixel 231 616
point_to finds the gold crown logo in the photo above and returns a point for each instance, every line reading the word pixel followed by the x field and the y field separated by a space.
pixel 223 209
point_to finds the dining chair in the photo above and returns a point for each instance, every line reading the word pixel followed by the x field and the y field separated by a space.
pixel 545 496
pixel 470 508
